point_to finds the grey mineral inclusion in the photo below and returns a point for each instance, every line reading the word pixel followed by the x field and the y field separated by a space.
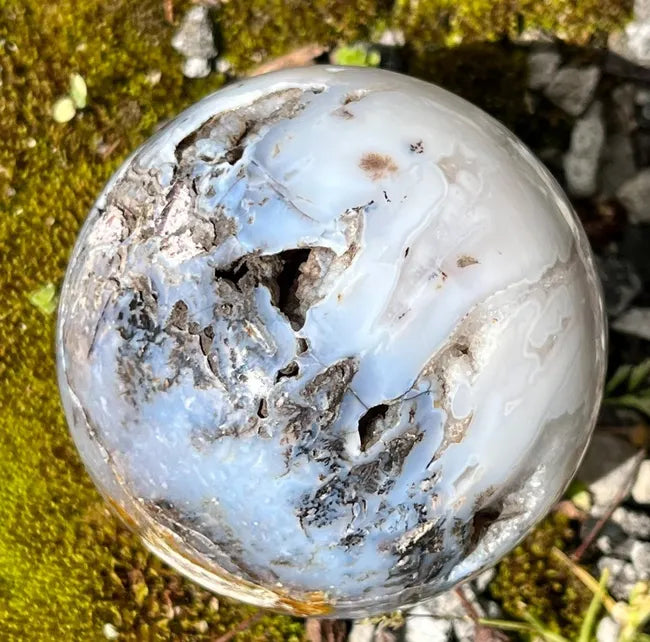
pixel 331 341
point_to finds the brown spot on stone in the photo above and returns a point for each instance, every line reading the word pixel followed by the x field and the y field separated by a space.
pixel 344 113
pixel 377 166
pixel 354 96
pixel 465 261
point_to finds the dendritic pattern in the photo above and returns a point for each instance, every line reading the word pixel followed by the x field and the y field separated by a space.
pixel 332 339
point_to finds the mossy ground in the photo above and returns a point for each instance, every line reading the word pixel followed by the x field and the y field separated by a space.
pixel 66 567
pixel 531 580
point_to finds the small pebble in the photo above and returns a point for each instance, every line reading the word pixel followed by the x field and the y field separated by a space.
pixel 636 322
pixel 110 632
pixel 607 630
pixel 641 488
pixel 361 632
pixel 582 160
pixel 634 523
pixel 634 195
pixel 572 88
pixel 607 467
pixel 542 65
pixel 640 557
pixel 622 576
pixel 422 627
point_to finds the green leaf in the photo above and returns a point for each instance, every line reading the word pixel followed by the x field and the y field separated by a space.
pixel 578 494
pixel 639 401
pixel 638 375
pixel 356 55
pixel 63 110
pixel 620 376
pixel 589 623
pixel 44 298
pixel 78 91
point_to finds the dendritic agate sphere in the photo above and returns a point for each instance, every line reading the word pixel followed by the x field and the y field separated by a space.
pixel 331 341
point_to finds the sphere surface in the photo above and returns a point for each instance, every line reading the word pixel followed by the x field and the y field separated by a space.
pixel 331 341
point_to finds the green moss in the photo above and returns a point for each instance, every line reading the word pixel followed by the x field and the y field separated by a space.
pixel 253 30
pixel 429 23
pixel 531 580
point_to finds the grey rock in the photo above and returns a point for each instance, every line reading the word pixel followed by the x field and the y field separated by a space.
pixel 573 88
pixel 581 161
pixel 617 163
pixel 622 576
pixel 607 630
pixel 361 632
pixel 636 322
pixel 619 547
pixel 642 10
pixel 607 467
pixel 196 68
pixel 640 557
pixel 223 65
pixel 641 488
pixel 633 43
pixel 542 65
pixel 621 284
pixel 449 606
pixel 421 626
pixel 482 580
pixel 624 98
pixel 493 610
pixel 634 523
pixel 634 195
pixel 194 37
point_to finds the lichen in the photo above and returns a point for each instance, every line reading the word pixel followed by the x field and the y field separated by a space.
pixel 64 562
pixel 532 580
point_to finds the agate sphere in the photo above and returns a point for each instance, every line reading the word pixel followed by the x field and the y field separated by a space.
pixel 331 341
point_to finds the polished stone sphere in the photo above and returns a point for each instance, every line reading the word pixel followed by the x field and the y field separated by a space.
pixel 331 341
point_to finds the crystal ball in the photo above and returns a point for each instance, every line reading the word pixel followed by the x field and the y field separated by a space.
pixel 331 341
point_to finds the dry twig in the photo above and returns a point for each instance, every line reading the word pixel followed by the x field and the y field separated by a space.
pixel 297 58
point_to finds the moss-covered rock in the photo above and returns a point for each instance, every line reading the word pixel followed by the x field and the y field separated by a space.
pixel 66 567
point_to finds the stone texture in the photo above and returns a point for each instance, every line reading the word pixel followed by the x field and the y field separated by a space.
pixel 634 523
pixel 617 164
pixel 633 43
pixel 361 632
pixel 634 195
pixel 573 88
pixel 582 160
pixel 622 112
pixel 482 581
pixel 622 576
pixel 619 545
pixel 640 558
pixel 422 627
pixel 621 283
pixel 196 67
pixel 641 488
pixel 253 347
pixel 636 322
pixel 607 467
pixel 607 630
pixel 542 66
pixel 449 606
pixel 195 37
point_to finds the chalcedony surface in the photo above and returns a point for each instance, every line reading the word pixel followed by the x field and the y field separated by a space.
pixel 331 341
